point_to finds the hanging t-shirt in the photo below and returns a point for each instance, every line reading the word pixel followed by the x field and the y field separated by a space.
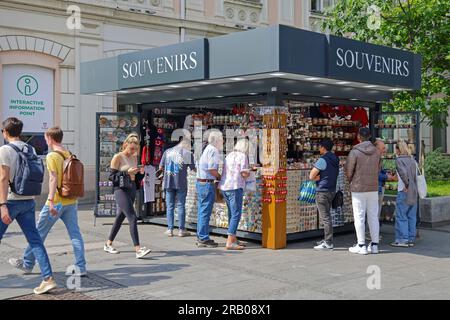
pixel 149 184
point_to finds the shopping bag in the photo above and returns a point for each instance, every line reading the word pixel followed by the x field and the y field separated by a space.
pixel 421 184
pixel 308 192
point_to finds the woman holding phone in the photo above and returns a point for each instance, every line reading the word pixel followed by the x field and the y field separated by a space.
pixel 126 176
pixel 235 171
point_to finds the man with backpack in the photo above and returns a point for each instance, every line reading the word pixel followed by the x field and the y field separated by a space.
pixel 66 175
pixel 325 172
pixel 21 176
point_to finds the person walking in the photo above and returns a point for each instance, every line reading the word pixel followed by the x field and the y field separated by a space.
pixel 232 184
pixel 174 163
pixel 406 206
pixel 19 207
pixel 325 173
pixel 362 168
pixel 56 207
pixel 207 174
pixel 126 176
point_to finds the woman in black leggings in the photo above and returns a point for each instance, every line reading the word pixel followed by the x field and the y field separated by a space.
pixel 124 167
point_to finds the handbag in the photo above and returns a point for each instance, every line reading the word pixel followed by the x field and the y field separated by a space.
pixel 308 192
pixel 421 184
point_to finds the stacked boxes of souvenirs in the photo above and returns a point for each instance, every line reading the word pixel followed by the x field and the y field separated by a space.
pixel 299 216
pixel 251 220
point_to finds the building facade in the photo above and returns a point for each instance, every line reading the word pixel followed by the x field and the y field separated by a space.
pixel 52 37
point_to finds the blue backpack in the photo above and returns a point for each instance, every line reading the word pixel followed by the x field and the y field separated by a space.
pixel 29 173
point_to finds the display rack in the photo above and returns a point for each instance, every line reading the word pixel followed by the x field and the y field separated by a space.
pixel 111 131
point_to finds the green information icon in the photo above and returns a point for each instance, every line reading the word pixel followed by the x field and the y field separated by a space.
pixel 27 85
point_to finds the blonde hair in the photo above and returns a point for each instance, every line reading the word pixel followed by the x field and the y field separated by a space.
pixel 132 138
pixel 403 148
pixel 241 146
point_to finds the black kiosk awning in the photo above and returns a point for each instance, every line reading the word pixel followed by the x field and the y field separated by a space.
pixel 276 59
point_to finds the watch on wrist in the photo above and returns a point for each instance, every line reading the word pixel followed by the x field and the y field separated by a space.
pixel 3 204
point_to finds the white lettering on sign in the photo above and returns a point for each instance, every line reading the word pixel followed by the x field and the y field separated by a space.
pixel 371 62
pixel 160 65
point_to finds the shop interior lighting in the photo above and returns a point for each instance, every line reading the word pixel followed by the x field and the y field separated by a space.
pixel 296 94
pixel 277 74
pixel 219 96
pixel 174 86
pixel 370 86
pixel 312 79
pixel 396 89
pixel 326 97
pixel 204 82
pixel 343 82
pixel 253 93
pixel 148 89
pixel 237 79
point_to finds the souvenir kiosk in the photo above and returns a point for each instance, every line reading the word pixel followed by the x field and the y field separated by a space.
pixel 290 86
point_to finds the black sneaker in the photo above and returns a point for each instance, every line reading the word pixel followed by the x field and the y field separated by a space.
pixel 207 244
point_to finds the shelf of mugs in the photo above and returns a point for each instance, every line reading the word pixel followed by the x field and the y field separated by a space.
pixel 122 122
pixel 395 126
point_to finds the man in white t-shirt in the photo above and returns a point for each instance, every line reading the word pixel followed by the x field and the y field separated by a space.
pixel 20 208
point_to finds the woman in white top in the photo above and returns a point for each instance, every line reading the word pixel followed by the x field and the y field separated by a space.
pixel 124 167
pixel 232 184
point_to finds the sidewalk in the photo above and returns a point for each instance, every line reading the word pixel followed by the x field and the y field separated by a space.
pixel 177 269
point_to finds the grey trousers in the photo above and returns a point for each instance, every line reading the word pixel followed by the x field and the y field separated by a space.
pixel 324 201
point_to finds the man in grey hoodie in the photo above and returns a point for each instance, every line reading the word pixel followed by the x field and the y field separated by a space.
pixel 362 168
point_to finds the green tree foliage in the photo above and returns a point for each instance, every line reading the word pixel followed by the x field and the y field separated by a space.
pixel 437 166
pixel 420 26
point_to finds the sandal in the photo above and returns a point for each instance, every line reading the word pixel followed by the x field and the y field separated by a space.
pixel 242 244
pixel 235 246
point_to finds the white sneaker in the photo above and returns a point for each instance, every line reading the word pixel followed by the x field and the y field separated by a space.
pixel 169 233
pixel 18 264
pixel 184 233
pixel 45 286
pixel 143 251
pixel 110 249
pixel 372 248
pixel 323 246
pixel 358 250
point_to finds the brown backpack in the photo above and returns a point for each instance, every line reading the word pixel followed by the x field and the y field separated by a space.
pixel 72 185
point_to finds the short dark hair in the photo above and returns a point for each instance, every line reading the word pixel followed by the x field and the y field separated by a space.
pixel 55 133
pixel 364 133
pixel 327 144
pixel 13 126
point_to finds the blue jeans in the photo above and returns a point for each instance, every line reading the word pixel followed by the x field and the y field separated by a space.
pixel 176 198
pixel 24 212
pixel 206 198
pixel 405 220
pixel 68 214
pixel 234 199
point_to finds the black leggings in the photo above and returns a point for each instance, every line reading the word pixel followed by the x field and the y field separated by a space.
pixel 125 208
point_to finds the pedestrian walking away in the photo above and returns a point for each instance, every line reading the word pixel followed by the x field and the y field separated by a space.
pixel 17 199
pixel 58 206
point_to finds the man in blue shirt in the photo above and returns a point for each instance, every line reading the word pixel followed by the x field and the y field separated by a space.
pixel 325 172
pixel 207 174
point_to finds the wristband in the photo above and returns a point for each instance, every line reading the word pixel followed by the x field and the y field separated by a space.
pixel 3 204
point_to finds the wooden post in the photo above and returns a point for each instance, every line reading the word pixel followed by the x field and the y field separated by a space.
pixel 274 180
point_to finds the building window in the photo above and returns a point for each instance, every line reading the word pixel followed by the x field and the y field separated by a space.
pixel 318 6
